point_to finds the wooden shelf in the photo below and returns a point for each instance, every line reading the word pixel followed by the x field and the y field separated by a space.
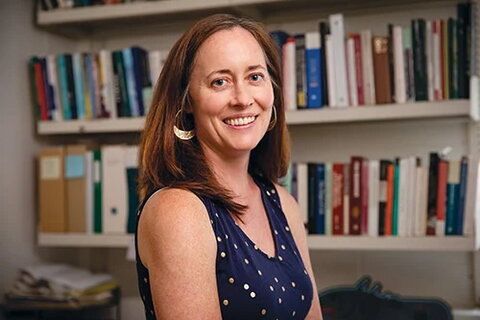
pixel 450 243
pixel 419 110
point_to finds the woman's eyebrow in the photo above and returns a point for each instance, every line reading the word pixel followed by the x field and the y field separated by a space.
pixel 228 71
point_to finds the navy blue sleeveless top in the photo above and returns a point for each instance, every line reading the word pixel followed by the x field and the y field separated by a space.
pixel 251 285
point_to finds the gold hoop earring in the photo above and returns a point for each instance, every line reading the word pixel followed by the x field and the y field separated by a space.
pixel 182 134
pixel 272 124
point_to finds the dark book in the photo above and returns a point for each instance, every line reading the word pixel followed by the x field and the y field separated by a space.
pixel 432 193
pixel 71 86
pixel 382 197
pixel 452 59
pixel 468 47
pixel 33 88
pixel 419 59
pixel 381 70
pixel 120 79
pixel 462 66
pixel 324 30
pixel 301 74
pixel 133 202
pixel 280 38
pixel 48 89
pixel 356 173
pixel 391 62
pixel 312 198
pixel 320 203
pixel 141 71
pixel 462 193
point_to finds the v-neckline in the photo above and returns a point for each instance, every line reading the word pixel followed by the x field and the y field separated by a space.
pixel 270 224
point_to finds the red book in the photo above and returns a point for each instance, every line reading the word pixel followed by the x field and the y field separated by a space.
pixel 364 193
pixel 441 196
pixel 443 66
pixel 358 68
pixel 337 198
pixel 389 206
pixel 42 99
pixel 355 225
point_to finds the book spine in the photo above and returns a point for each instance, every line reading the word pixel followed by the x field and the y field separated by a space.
pixel 346 198
pixel 301 77
pixel 398 209
pixel 328 199
pixel 48 89
pixel 137 53
pixel 429 55
pixel 367 66
pixel 289 75
pixel 337 198
pixel 382 197
pixel 332 93
pixel 97 191
pixel 382 70
pixel 72 95
pixel 453 186
pixel 41 90
pixel 352 76
pixel 391 62
pixel 432 193
pixel 389 203
pixel 338 47
pixel 461 196
pixel 359 69
pixel 302 190
pixel 130 78
pixel 373 197
pixel 409 74
pixel 314 70
pixel 441 197
pixel 355 196
pixel 445 59
pixel 324 30
pixel 79 89
pixel 399 66
pixel 419 59
pixel 437 70
pixel 364 195
pixel 312 198
pixel 63 87
pixel 54 87
pixel 320 203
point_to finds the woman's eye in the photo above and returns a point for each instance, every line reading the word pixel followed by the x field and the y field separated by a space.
pixel 256 77
pixel 219 82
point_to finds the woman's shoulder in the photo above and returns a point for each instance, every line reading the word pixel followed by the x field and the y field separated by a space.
pixel 173 218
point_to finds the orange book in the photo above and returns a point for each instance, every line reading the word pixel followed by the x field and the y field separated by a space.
pixel 441 197
pixel 389 207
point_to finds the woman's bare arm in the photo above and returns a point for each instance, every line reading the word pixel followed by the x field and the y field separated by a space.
pixel 177 245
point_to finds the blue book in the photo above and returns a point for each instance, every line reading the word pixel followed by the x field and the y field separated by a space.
pixel 280 38
pixel 453 186
pixel 312 198
pixel 137 54
pixel 63 86
pixel 462 191
pixel 396 192
pixel 91 84
pixel 79 89
pixel 320 205
pixel 313 68
pixel 132 93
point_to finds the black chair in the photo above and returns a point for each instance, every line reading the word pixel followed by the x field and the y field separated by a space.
pixel 365 301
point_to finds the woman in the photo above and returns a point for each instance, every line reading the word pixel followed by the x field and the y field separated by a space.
pixel 216 238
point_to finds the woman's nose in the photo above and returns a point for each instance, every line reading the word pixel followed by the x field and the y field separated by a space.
pixel 241 96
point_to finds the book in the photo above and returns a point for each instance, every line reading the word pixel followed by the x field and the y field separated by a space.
pixel 51 190
pixel 452 194
pixel 75 173
pixel 383 91
pixel 338 50
pixel 114 189
pixel 368 67
pixel 356 173
pixel 419 59
pixel 314 70
pixel 432 193
pixel 373 197
pixel 289 75
pixel 300 68
pixel 337 198
pixel 441 197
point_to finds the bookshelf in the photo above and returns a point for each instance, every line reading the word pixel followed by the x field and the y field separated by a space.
pixel 423 110
pixel 315 242
pixel 317 135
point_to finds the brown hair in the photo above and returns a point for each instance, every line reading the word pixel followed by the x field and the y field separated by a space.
pixel 168 161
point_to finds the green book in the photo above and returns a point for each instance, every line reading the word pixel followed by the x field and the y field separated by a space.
pixel 33 87
pixel 396 189
pixel 97 191
pixel 132 177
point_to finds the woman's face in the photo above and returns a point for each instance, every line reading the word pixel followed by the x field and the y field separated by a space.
pixel 231 93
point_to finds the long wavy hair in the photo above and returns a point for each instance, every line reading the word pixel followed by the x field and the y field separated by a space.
pixel 166 161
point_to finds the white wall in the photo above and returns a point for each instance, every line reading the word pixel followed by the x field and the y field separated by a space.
pixel 18 41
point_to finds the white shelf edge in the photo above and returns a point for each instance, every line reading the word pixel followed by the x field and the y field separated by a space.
pixel 413 110
pixel 417 110
pixel 85 240
pixel 135 10
pixel 447 243
pixel 91 126
pixel 315 242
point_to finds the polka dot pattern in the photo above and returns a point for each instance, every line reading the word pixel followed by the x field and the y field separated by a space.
pixel 252 284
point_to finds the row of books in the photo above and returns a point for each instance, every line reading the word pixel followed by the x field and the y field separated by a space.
pixel 386 198
pixel 47 5
pixel 88 190
pixel 426 61
pixel 108 84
